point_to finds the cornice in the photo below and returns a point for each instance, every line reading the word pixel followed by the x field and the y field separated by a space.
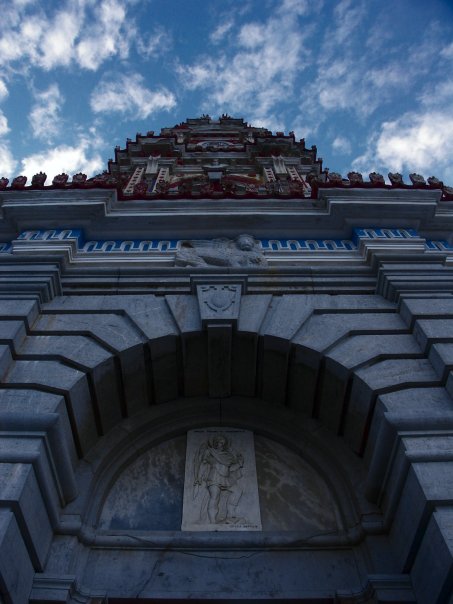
pixel 333 215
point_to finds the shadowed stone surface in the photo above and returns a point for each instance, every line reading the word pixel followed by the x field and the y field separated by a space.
pixel 148 494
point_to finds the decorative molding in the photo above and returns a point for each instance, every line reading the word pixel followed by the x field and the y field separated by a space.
pixel 295 245
pixel 268 246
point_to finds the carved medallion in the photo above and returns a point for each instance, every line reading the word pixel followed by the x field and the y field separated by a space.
pixel 219 297
pixel 219 302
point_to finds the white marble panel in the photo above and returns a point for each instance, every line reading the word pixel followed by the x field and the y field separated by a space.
pixel 220 486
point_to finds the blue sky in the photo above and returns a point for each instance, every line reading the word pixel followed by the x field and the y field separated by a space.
pixel 370 82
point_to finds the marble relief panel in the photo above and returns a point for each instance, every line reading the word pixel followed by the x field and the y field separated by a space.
pixel 148 494
pixel 220 488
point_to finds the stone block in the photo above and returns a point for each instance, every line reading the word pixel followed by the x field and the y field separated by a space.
pixel 432 307
pixel 166 357
pixel 330 407
pixel 113 330
pixel 368 382
pixel 20 492
pixel 214 575
pixel 427 484
pixel 360 349
pixel 34 411
pixel 395 280
pixel 415 410
pixel 252 313
pixel 118 335
pixel 411 408
pixel 106 384
pixel 272 378
pixel 22 310
pixel 349 353
pixel 195 363
pixel 16 569
pixel 31 449
pixel 344 302
pixel 428 331
pixel 135 379
pixel 58 589
pixel 441 357
pixel 449 384
pixel 432 572
pixel 302 384
pixel 5 359
pixel 285 316
pixel 85 354
pixel 323 330
pixel 67 381
pixel 12 333
pixel 243 363
pixel 185 312
pixel 219 360
pixel 149 314
pixel 389 589
pixel 74 303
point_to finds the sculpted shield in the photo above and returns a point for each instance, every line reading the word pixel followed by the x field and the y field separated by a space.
pixel 220 297
pixel 219 303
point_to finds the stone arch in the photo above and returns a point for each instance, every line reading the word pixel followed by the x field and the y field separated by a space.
pixel 352 363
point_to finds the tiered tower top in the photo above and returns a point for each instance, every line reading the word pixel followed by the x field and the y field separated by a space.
pixel 206 157
pixel 223 158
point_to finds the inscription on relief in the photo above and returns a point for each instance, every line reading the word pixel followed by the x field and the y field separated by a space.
pixel 220 484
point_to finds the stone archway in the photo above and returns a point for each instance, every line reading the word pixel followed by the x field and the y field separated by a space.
pixel 352 363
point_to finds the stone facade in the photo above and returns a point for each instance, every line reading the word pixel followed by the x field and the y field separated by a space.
pixel 317 319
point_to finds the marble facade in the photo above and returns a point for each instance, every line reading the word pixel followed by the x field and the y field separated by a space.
pixel 311 332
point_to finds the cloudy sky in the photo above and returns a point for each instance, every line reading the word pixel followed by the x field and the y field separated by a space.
pixel 370 82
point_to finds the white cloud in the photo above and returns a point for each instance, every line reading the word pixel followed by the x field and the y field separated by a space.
pixel 251 35
pixel 57 42
pixel 83 32
pixel 259 67
pixel 7 161
pixel 221 31
pixel 437 95
pixel 45 114
pixel 420 142
pixel 447 51
pixel 3 90
pixel 106 36
pixel 357 76
pixel 83 157
pixel 128 95
pixel 342 144
pixel 4 128
pixel 299 7
pixel 153 44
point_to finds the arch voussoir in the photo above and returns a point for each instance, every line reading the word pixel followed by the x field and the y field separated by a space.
pixel 355 373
